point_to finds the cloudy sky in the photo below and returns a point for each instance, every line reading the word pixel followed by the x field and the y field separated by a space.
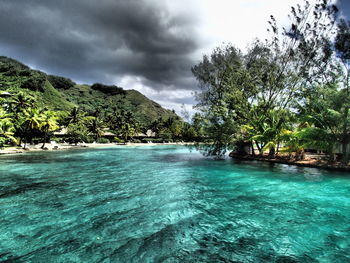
pixel 147 45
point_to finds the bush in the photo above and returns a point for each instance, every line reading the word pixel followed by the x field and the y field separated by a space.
pixel 154 140
pixel 25 73
pixel 89 139
pixel 60 82
pixel 110 90
pixel 34 83
pixel 103 140
pixel 77 132
pixel 117 140
pixel 136 141
pixel 2 142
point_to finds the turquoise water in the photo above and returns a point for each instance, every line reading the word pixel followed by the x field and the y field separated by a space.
pixel 168 204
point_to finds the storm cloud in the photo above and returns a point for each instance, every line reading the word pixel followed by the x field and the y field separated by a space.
pixel 101 41
pixel 148 45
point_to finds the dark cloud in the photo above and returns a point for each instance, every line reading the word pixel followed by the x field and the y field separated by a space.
pixel 99 41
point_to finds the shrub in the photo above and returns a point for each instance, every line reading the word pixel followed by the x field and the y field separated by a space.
pixel 60 82
pixel 77 132
pixel 111 90
pixel 34 83
pixel 117 140
pixel 103 140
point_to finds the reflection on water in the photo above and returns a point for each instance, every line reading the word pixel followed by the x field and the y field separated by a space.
pixel 168 204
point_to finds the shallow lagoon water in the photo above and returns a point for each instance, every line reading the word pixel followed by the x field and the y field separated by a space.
pixel 168 204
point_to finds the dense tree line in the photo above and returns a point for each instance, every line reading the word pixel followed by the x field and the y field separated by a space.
pixel 287 93
pixel 22 121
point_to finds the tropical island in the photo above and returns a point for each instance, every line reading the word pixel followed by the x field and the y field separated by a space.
pixel 281 98
pixel 257 171
pixel 285 95
pixel 38 108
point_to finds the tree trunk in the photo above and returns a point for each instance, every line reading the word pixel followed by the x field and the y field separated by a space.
pixel 42 147
pixel 300 155
pixel 259 148
pixel 25 140
pixel 253 150
pixel 272 153
pixel 25 143
pixel 345 139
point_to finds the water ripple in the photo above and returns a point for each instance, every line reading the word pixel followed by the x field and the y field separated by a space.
pixel 168 204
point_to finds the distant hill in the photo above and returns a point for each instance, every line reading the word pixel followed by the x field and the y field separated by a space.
pixel 59 93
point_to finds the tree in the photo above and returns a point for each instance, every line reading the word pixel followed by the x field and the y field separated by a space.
pixel 124 124
pixel 197 125
pixel 156 125
pixel 322 109
pixel 7 128
pixel 29 123
pixel 48 123
pixel 342 48
pixel 77 132
pixel 239 89
pixel 221 96
pixel 267 129
pixel 21 102
pixel 96 126
pixel 75 116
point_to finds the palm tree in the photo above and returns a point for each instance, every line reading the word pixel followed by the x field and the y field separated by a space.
pixel 31 121
pixel 157 125
pixel 266 130
pixel 7 128
pixel 75 116
pixel 21 102
pixel 125 125
pixel 126 131
pixel 95 126
pixel 48 123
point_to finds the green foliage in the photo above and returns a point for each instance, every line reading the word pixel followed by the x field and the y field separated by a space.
pixel 77 132
pixel 255 97
pixel 62 94
pixel 36 105
pixel 109 90
pixel 60 82
pixel 118 140
pixel 102 140
pixel 153 140
pixel 342 47
pixel 7 129
pixel 34 83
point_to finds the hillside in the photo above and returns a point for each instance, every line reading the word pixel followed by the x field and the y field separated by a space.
pixel 59 93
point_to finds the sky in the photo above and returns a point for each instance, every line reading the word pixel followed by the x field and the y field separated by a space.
pixel 147 45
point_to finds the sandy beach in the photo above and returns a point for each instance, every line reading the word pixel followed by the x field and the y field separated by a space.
pixel 58 147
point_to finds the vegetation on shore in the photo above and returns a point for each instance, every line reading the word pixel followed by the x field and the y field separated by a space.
pixel 282 96
pixel 285 94
pixel 34 105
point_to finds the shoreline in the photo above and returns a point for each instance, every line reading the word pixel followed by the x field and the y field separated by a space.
pixel 62 147
pixel 308 162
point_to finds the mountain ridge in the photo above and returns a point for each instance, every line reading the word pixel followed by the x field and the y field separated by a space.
pixel 61 93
